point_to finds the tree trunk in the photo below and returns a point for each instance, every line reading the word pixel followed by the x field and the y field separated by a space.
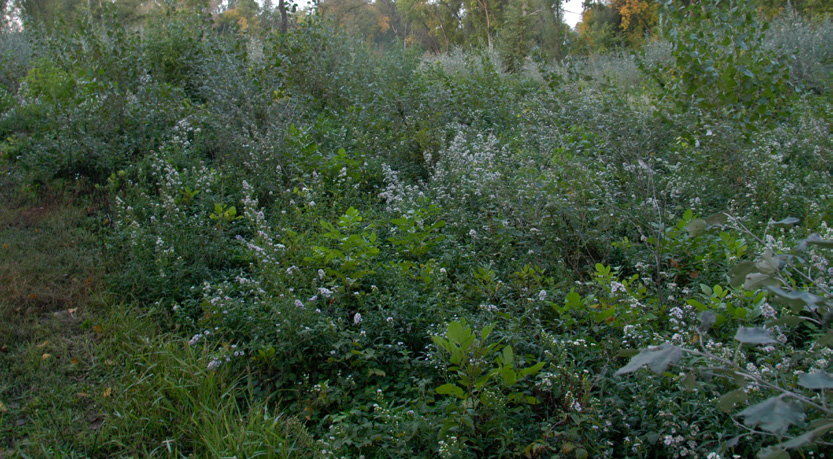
pixel 284 19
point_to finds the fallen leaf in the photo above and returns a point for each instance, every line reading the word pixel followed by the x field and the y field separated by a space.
pixel 43 344
pixel 107 392
pixel 33 296
pixel 98 329
pixel 46 356
pixel 3 408
pixel 74 361
pixel 5 246
pixel 71 311
pixel 82 395
pixel 109 362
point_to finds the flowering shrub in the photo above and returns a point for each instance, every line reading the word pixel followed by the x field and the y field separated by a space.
pixel 425 258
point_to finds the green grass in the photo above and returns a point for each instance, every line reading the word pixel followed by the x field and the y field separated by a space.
pixel 84 376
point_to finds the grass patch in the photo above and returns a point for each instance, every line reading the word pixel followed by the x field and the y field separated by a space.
pixel 86 376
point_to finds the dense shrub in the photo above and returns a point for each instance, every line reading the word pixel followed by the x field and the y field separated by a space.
pixel 434 257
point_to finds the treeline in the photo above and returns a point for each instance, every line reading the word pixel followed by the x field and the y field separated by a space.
pixel 518 29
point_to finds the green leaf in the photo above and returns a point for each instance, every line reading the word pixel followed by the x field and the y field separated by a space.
pixel 690 382
pixel 796 300
pixel 605 314
pixel 573 300
pixel 718 219
pixel 508 355
pixel 728 400
pixel 487 330
pixel 754 281
pixel 768 263
pixel 789 221
pixel 508 375
pixel 808 437
pixel 451 389
pixel 698 305
pixel 458 332
pixel 754 335
pixel 658 358
pixel 816 381
pixel 774 415
pixel 696 227
pixel 533 370
pixel 737 275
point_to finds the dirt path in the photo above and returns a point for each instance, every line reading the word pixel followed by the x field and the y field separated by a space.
pixel 50 373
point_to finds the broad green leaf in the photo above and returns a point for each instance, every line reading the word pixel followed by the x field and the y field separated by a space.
pixel 533 370
pixel 696 227
pixel 737 275
pixel 718 219
pixel 728 400
pixel 508 355
pixel 573 300
pixel 508 375
pixel 451 389
pixel 690 381
pixel 698 305
pixel 658 358
pixel 480 382
pixel 796 300
pixel 768 263
pixel 441 342
pixel 774 415
pixel 605 314
pixel 808 437
pixel 816 381
pixel 458 332
pixel 754 281
pixel 487 330
pixel 754 335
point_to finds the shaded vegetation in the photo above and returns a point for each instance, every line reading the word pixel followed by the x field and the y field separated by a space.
pixel 226 239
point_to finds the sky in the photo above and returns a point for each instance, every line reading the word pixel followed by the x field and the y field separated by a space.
pixel 572 12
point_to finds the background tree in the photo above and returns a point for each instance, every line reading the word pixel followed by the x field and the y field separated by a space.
pixel 600 28
pixel 46 12
pixel 514 41
pixel 637 18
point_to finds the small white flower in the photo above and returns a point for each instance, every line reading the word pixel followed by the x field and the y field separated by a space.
pixel 357 319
